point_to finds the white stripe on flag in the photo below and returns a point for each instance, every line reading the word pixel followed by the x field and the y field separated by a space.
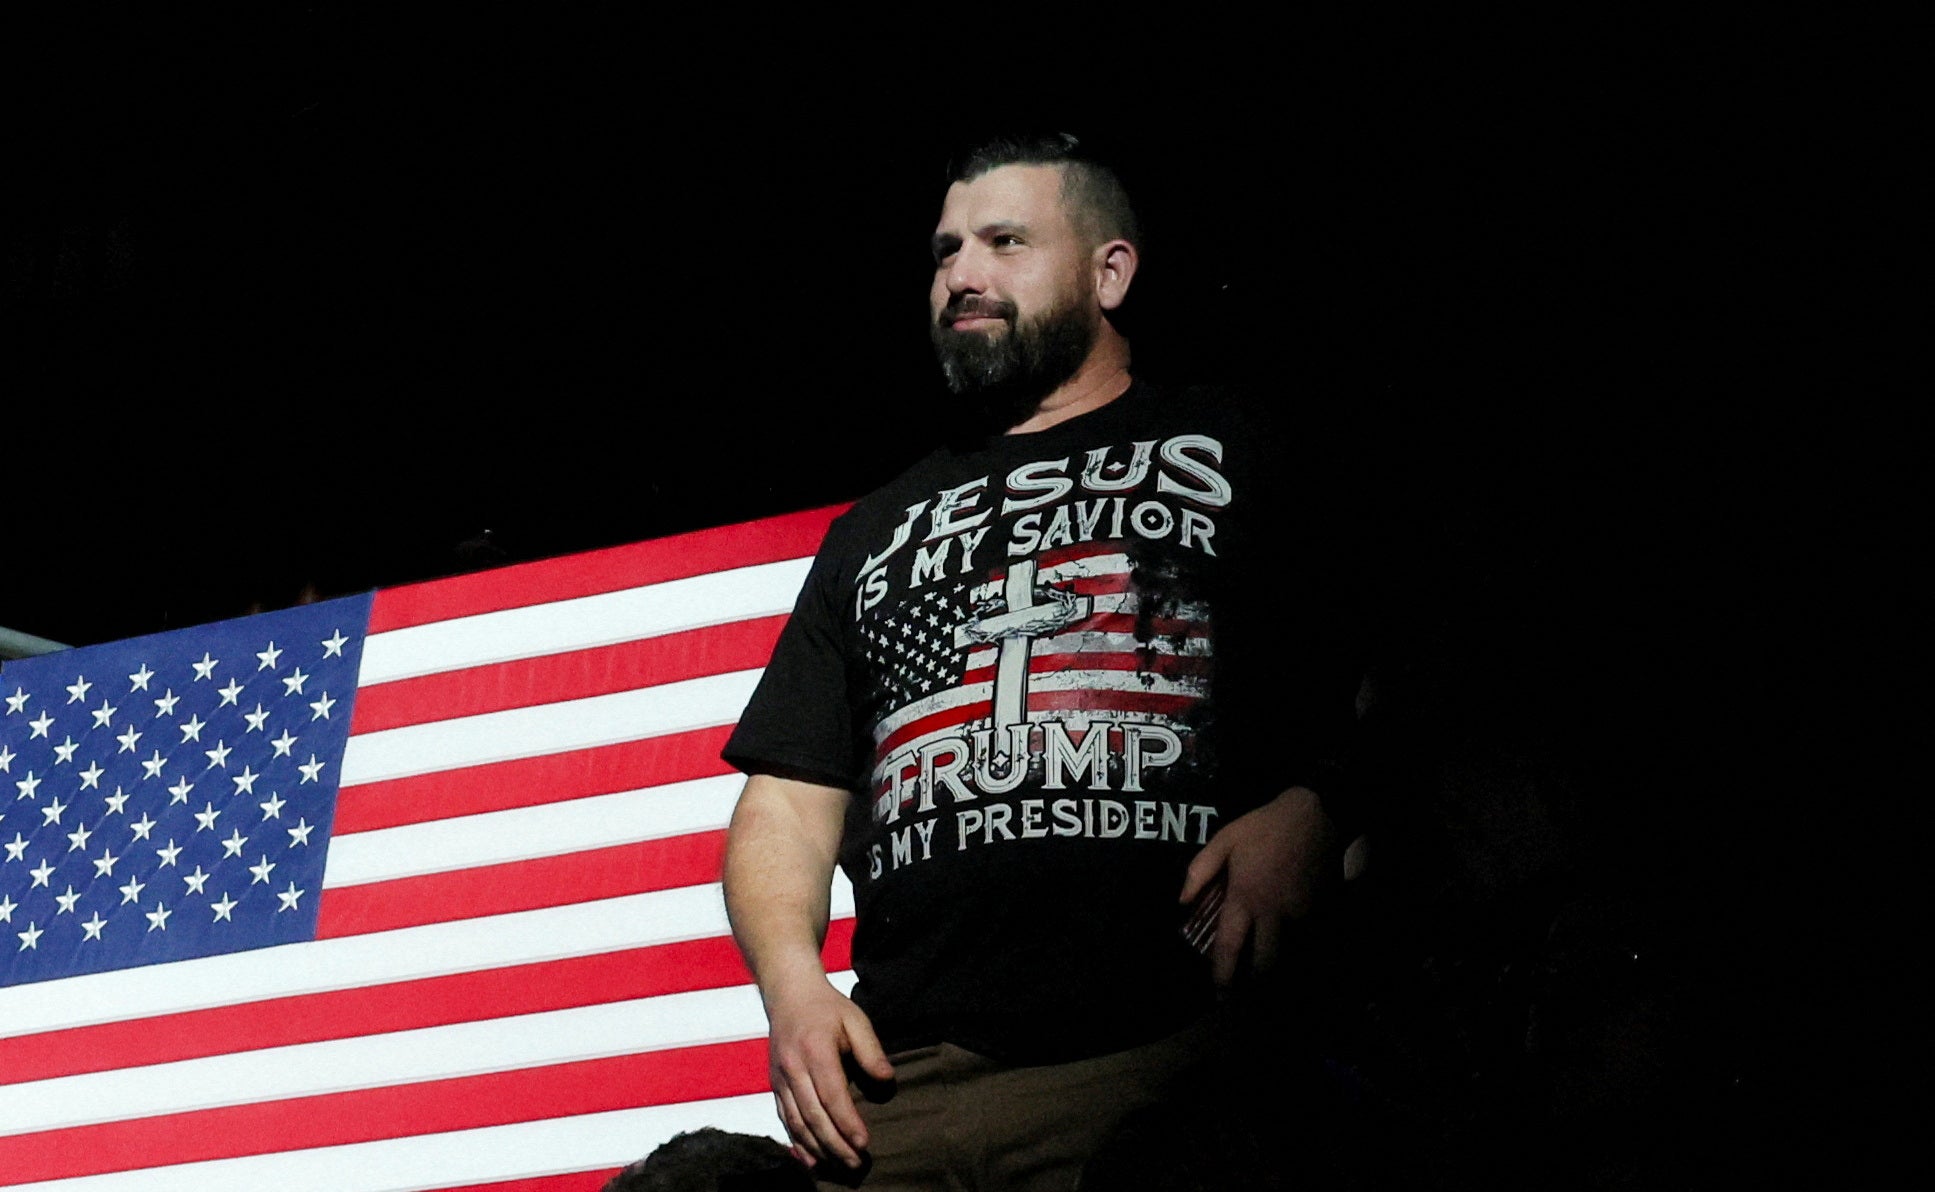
pixel 633 614
pixel 548 728
pixel 435 949
pixel 590 1142
pixel 428 1053
pixel 524 833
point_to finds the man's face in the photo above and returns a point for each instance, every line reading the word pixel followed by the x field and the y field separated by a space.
pixel 1013 304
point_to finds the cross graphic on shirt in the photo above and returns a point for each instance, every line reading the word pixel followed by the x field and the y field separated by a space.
pixel 1015 631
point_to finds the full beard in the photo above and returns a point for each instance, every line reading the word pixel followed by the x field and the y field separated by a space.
pixel 1004 376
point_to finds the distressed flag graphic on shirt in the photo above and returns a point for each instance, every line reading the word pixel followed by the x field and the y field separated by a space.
pixel 1070 635
pixel 412 891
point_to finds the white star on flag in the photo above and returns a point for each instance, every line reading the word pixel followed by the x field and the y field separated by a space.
pixel 268 657
pixel 77 691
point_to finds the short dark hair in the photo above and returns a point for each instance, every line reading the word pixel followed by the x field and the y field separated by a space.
pixel 1096 198
pixel 713 1160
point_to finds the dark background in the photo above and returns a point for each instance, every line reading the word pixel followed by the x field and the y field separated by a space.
pixel 319 299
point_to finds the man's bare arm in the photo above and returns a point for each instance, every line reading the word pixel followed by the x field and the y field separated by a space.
pixel 780 854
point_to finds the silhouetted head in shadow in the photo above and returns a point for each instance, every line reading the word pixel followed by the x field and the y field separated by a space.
pixel 711 1160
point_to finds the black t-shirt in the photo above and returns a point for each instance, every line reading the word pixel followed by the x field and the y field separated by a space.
pixel 1051 668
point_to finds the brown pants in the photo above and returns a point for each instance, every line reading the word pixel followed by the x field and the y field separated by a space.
pixel 965 1123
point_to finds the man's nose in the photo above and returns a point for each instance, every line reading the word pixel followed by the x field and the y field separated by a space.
pixel 966 272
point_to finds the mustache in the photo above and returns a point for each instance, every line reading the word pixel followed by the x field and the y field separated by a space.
pixel 976 306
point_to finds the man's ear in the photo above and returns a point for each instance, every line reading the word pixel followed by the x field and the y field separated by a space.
pixel 1115 264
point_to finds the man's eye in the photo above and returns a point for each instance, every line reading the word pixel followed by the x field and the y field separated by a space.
pixel 1007 240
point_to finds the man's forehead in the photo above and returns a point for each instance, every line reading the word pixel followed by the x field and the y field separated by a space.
pixel 1013 194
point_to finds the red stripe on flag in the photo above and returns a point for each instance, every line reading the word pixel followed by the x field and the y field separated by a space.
pixel 398 1006
pixel 772 540
pixel 577 1181
pixel 1144 627
pixel 1168 665
pixel 576 674
pixel 562 880
pixel 397 1111
pixel 1040 701
pixel 954 717
pixel 1080 551
pixel 528 782
pixel 1173 706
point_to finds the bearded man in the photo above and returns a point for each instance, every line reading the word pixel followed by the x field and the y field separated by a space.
pixel 1044 704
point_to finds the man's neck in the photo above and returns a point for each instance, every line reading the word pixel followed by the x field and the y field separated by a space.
pixel 1103 377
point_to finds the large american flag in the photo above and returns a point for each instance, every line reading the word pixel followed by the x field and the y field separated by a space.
pixel 411 891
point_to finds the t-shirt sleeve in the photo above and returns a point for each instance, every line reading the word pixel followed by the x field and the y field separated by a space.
pixel 798 723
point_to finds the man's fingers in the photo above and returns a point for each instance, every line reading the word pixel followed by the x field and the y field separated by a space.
pixel 789 1116
pixel 821 1135
pixel 1231 930
pixel 1204 867
pixel 865 1046
pixel 835 1098
pixel 1263 953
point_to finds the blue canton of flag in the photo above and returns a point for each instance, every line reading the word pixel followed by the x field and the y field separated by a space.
pixel 171 796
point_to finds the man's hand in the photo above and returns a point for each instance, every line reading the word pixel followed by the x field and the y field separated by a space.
pixel 813 1026
pixel 1272 859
